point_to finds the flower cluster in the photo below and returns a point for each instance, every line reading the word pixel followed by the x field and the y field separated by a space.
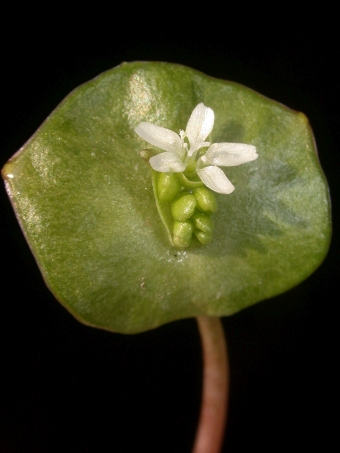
pixel 188 173
pixel 189 153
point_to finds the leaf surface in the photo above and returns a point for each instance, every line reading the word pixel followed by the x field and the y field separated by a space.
pixel 84 199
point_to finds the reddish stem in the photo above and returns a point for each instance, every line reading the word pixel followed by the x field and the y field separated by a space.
pixel 210 432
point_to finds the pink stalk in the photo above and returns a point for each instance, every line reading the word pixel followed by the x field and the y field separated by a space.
pixel 212 422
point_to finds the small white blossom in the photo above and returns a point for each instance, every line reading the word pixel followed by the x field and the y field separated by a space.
pixel 181 150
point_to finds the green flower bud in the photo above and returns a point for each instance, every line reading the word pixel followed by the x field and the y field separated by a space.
pixel 183 206
pixel 206 201
pixel 203 222
pixel 168 186
pixel 182 233
pixel 203 236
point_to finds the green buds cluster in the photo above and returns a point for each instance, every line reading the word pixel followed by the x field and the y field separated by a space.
pixel 191 209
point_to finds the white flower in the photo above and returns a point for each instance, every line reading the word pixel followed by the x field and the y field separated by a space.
pixel 181 150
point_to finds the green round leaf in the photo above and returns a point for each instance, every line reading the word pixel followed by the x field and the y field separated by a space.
pixel 84 198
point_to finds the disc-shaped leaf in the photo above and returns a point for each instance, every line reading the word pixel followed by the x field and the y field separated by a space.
pixel 85 202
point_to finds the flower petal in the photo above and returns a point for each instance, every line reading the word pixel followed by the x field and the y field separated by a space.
pixel 161 137
pixel 214 178
pixel 200 124
pixel 229 154
pixel 167 163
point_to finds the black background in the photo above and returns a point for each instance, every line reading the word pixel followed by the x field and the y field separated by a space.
pixel 74 389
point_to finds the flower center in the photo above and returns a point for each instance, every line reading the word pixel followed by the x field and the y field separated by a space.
pixel 190 170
